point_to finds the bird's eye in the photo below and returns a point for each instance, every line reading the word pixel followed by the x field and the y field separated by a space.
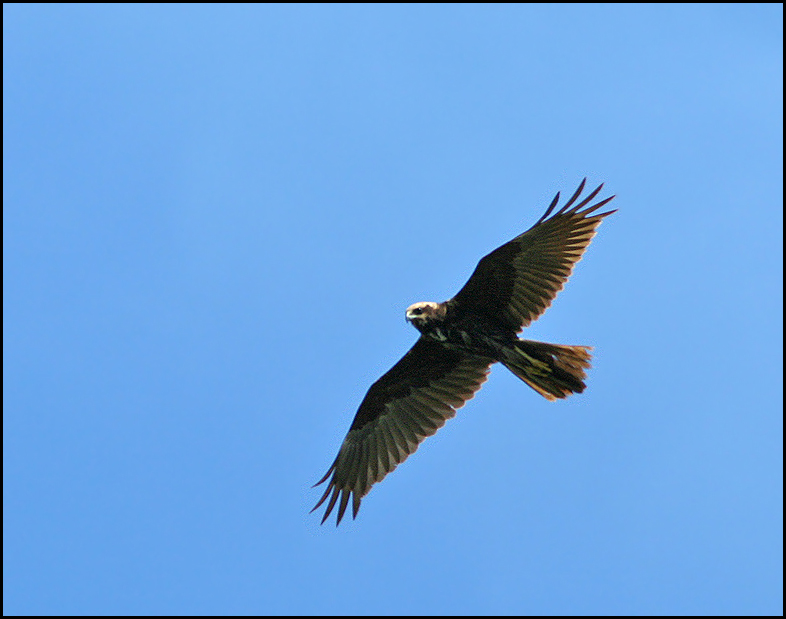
pixel 417 310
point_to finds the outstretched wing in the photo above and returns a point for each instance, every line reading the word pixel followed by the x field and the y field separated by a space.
pixel 517 281
pixel 407 404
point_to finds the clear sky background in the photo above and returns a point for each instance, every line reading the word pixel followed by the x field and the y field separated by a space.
pixel 214 219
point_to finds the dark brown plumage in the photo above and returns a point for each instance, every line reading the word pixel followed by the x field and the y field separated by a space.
pixel 460 340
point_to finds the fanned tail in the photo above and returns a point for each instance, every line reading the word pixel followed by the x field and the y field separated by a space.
pixel 552 370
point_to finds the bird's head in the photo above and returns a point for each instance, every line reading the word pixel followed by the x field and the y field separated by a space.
pixel 425 312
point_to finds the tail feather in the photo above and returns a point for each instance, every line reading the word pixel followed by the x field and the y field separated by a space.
pixel 554 371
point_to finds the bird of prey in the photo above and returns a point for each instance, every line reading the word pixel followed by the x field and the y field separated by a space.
pixel 459 341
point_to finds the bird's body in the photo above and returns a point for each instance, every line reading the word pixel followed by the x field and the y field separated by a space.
pixel 469 332
pixel 459 341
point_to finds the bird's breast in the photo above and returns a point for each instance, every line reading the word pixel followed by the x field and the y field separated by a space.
pixel 439 334
pixel 467 340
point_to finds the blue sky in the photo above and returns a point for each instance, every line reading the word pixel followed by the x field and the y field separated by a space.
pixel 213 220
